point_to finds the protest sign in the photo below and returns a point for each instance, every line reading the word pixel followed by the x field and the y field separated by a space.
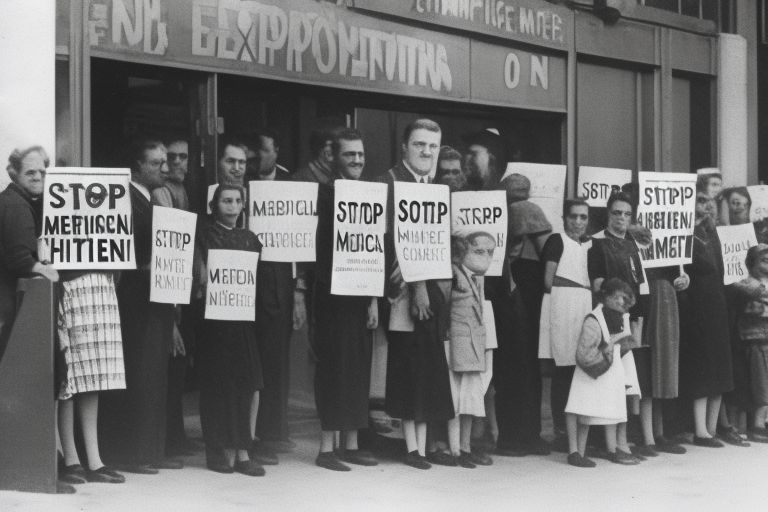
pixel 735 241
pixel 667 203
pixel 547 188
pixel 422 231
pixel 596 184
pixel 486 211
pixel 359 224
pixel 173 248
pixel 231 290
pixel 283 215
pixel 758 194
pixel 87 221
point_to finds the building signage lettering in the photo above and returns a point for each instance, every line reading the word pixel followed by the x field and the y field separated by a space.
pixel 324 44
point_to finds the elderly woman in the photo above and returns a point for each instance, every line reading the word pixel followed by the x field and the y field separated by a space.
pixel 228 359
pixel 567 300
pixel 20 225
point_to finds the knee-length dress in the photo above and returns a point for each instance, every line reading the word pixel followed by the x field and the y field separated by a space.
pixel 705 350
pixel 228 363
pixel 601 401
pixel 564 308
pixel 88 326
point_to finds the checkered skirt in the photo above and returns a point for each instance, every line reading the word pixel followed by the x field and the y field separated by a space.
pixel 89 335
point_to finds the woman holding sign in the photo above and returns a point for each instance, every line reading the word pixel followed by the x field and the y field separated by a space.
pixel 228 357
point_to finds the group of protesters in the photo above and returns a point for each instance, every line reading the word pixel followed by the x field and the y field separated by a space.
pixel 616 339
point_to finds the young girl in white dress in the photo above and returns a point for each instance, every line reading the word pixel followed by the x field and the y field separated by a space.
pixel 599 387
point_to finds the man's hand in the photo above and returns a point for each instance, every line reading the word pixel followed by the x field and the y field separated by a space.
pixel 420 309
pixel 299 310
pixel 681 283
pixel 373 314
pixel 46 271
pixel 177 348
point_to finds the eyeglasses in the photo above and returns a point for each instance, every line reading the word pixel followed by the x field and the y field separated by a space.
pixel 157 163
pixel 180 156
pixel 621 213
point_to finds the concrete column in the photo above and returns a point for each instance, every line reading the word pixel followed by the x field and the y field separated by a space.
pixel 732 115
pixel 27 100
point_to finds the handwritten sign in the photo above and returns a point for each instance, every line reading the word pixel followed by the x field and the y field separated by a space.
pixel 666 207
pixel 482 211
pixel 597 184
pixel 735 241
pixel 173 247
pixel 422 231
pixel 759 196
pixel 547 188
pixel 359 224
pixel 231 289
pixel 87 220
pixel 283 215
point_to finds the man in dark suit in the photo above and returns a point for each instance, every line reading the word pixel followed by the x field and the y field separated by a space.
pixel 417 388
pixel 132 421
pixel 280 307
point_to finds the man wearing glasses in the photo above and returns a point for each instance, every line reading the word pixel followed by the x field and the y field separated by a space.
pixel 133 420
pixel 173 194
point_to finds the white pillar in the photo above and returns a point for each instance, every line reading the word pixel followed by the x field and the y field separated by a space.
pixel 732 123
pixel 27 79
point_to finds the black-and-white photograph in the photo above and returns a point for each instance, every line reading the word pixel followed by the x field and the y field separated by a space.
pixel 377 255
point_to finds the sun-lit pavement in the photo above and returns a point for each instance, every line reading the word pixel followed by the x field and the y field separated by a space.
pixel 723 479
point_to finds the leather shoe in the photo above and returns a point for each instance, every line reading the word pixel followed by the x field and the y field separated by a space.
pixel 220 466
pixel 359 457
pixel 262 455
pixel 249 468
pixel 64 488
pixel 623 458
pixel 73 474
pixel 169 464
pixel 465 460
pixel 667 446
pixel 756 436
pixel 329 460
pixel 578 460
pixel 480 458
pixel 707 442
pixel 415 460
pixel 104 475
pixel 139 469
pixel 441 458
pixel 731 436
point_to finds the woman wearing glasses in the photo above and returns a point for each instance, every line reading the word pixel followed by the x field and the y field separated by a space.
pixel 614 253
pixel 567 300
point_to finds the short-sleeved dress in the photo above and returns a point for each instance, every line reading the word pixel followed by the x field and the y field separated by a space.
pixel 564 309
pixel 228 360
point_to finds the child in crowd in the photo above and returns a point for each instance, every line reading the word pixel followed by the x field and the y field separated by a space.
pixel 469 358
pixel 598 389
pixel 752 325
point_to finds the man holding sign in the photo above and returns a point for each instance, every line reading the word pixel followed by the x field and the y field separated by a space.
pixel 133 422
pixel 280 307
pixel 342 341
pixel 417 390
